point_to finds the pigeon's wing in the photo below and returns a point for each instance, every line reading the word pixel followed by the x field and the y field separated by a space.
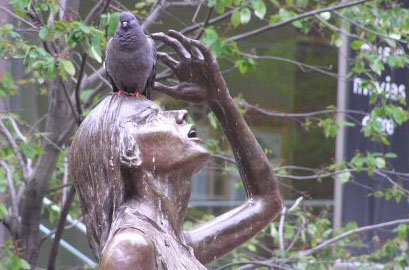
pixel 152 75
pixel 107 65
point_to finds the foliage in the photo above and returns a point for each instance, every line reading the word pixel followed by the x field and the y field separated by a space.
pixel 52 64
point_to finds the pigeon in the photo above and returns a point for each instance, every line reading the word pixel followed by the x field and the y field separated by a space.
pixel 130 58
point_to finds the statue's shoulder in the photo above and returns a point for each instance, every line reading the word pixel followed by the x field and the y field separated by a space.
pixel 128 249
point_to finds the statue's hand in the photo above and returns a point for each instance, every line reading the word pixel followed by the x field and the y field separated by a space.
pixel 200 79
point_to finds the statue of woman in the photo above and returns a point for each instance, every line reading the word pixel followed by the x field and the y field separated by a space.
pixel 132 165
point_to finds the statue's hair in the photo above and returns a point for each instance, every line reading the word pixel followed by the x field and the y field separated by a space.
pixel 99 155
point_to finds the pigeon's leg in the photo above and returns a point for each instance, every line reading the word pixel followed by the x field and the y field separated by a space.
pixel 121 92
pixel 137 94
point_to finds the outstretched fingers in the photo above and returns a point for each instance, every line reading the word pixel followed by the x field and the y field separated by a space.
pixel 169 90
pixel 187 42
pixel 174 43
pixel 168 60
pixel 209 59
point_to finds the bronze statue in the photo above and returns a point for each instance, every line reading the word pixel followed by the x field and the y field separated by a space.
pixel 132 163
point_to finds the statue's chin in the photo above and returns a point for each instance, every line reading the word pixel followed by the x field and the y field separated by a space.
pixel 196 162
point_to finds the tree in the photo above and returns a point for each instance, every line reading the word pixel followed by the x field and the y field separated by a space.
pixel 62 53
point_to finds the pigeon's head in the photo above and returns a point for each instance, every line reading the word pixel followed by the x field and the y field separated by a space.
pixel 128 21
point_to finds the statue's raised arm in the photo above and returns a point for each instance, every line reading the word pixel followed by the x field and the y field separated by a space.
pixel 132 165
pixel 201 81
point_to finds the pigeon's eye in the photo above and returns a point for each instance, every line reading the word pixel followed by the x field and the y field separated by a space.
pixel 124 24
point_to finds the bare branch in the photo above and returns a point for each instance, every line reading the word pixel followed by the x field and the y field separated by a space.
pixel 24 139
pixel 293 19
pixel 182 4
pixel 6 133
pixel 281 229
pixel 154 14
pixel 65 180
pixel 205 23
pixel 297 115
pixel 67 96
pixel 333 240
pixel 304 67
pixel 98 9
pixel 11 13
pixel 78 86
pixel 97 75
pixel 60 229
pixel 196 13
pixel 267 263
pixel 213 21
pixel 13 194
pixel 98 89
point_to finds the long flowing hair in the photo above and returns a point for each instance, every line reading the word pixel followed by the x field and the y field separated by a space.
pixel 95 162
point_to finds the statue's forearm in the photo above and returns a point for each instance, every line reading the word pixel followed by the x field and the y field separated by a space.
pixel 254 167
pixel 226 232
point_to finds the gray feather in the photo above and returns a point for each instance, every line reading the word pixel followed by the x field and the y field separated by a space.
pixel 130 57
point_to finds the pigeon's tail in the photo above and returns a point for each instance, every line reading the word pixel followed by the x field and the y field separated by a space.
pixel 147 93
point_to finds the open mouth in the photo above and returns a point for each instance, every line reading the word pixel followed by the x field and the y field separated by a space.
pixel 192 132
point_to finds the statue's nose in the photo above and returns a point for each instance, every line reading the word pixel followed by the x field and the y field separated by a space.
pixel 181 117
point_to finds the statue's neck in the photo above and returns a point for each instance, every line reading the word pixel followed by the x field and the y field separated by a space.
pixel 164 199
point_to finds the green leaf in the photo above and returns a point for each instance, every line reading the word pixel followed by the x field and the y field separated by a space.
pixel 235 18
pixel 380 162
pixel 31 150
pixel 212 3
pixel 403 231
pixel 345 176
pixel 220 6
pixel 68 66
pixel 330 127
pixel 259 7
pixel 391 155
pixel 3 211
pixel 325 15
pixel 357 44
pixel 43 34
pixel 24 265
pixel 95 55
pixel 113 23
pixel 395 61
pixel 245 15
pixel 378 194
pixel 212 120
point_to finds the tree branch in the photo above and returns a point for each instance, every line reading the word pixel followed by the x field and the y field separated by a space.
pixel 301 65
pixel 78 87
pixel 154 14
pixel 293 19
pixel 60 229
pixel 97 10
pixel 11 13
pixel 13 194
pixel 67 96
pixel 333 240
pixel 6 133
pixel 247 106
pixel 205 23
pixel 342 31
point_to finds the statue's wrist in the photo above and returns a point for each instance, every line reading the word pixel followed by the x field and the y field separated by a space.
pixel 222 101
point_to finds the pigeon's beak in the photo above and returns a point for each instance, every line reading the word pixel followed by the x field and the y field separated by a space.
pixel 124 24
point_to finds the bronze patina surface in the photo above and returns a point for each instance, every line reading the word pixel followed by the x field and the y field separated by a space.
pixel 132 165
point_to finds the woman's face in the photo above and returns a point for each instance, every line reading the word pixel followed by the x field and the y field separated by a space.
pixel 167 142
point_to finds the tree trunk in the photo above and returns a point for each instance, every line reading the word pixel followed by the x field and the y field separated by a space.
pixel 59 118
pixel 59 114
